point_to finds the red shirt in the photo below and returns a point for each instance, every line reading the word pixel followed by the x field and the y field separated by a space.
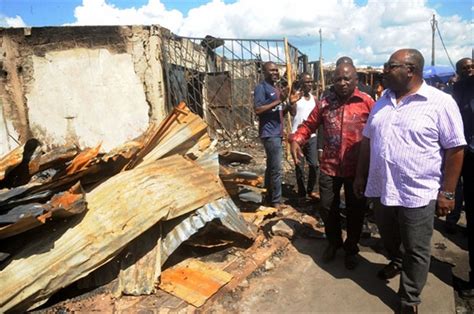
pixel 342 131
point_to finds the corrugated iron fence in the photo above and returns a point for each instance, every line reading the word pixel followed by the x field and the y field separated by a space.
pixel 216 77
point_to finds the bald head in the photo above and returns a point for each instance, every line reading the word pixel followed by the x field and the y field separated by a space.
pixel 403 73
pixel 343 60
pixel 413 58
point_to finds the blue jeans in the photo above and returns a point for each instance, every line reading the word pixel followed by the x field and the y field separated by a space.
pixel 273 150
pixel 406 234
pixel 310 155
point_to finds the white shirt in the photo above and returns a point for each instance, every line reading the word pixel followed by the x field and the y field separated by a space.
pixel 407 145
pixel 303 109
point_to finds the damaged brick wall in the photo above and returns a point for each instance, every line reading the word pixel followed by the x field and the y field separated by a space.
pixel 82 85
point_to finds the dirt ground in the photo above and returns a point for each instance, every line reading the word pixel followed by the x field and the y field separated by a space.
pixel 271 281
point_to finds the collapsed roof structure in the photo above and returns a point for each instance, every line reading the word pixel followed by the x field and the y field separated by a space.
pixel 99 158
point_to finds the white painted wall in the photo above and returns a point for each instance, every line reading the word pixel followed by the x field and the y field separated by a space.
pixel 7 133
pixel 88 96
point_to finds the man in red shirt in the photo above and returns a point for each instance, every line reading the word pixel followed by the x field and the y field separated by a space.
pixel 343 114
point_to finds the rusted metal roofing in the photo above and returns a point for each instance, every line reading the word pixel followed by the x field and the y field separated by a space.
pixel 193 281
pixel 223 209
pixel 119 210
pixel 29 216
pixel 176 135
pixel 14 165
pixel 11 160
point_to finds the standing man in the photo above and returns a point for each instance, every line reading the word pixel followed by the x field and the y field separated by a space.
pixel 300 111
pixel 463 93
pixel 343 114
pixel 268 105
pixel 414 139
pixel 360 85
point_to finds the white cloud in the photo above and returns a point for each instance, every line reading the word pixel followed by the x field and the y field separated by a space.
pixel 99 12
pixel 368 33
pixel 16 21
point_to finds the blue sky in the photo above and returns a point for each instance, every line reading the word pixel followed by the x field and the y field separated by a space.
pixel 368 30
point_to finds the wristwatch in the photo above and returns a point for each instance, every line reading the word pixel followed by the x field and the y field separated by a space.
pixel 447 195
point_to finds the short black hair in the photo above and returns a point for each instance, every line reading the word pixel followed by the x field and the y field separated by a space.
pixel 266 64
pixel 460 63
pixel 300 77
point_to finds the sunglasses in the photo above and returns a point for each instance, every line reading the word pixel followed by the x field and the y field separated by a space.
pixel 393 65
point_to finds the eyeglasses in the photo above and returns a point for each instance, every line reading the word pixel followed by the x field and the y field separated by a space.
pixel 469 66
pixel 392 65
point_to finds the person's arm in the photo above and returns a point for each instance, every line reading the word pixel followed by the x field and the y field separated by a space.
pixel 320 142
pixel 362 171
pixel 295 95
pixel 453 159
pixel 303 133
pixel 259 96
pixel 264 108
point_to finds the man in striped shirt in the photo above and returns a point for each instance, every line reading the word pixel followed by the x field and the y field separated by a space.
pixel 410 160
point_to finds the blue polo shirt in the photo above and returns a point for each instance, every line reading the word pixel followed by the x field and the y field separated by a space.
pixel 270 122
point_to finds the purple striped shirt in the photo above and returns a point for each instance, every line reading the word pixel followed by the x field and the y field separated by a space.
pixel 407 144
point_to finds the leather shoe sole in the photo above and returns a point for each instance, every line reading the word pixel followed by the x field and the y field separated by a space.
pixel 329 253
pixel 351 261
pixel 388 272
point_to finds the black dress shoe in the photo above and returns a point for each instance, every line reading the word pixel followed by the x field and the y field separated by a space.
pixel 351 261
pixel 329 253
pixel 467 294
pixel 389 271
pixel 409 309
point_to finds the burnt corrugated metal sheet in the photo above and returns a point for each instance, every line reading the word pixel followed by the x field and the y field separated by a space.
pixel 11 160
pixel 120 209
pixel 141 261
pixel 29 216
pixel 180 132
pixel 223 209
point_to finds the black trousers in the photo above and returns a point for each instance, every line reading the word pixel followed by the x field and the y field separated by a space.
pixel 468 188
pixel 330 188
pixel 310 152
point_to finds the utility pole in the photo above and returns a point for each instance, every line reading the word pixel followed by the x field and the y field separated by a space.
pixel 433 28
pixel 321 70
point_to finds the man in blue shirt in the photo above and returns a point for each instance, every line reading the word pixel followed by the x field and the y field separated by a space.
pixel 269 106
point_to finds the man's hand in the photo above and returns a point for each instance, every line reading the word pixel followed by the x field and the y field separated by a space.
pixel 296 152
pixel 284 91
pixel 295 96
pixel 320 155
pixel 443 205
pixel 359 186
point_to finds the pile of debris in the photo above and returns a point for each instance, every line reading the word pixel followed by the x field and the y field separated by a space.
pixel 65 213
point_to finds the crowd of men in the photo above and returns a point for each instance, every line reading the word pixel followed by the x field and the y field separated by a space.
pixel 405 153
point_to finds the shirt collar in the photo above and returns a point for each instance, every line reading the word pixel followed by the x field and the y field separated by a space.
pixel 357 93
pixel 355 97
pixel 423 92
pixel 265 82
